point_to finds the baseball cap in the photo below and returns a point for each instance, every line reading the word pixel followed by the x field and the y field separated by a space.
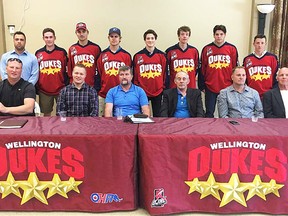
pixel 81 25
pixel 115 30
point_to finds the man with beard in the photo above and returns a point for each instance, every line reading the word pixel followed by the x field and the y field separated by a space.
pixel 30 70
pixel 127 96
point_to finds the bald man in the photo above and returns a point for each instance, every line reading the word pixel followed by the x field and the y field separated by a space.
pixel 182 102
pixel 275 101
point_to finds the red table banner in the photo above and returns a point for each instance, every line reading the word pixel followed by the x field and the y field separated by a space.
pixel 81 164
pixel 210 165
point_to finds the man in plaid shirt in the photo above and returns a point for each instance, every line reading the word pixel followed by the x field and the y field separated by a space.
pixel 78 98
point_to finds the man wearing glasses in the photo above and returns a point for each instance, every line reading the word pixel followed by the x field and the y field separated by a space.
pixel 17 96
pixel 182 102
pixel 30 69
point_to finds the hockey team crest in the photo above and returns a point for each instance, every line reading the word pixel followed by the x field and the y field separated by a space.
pixel 159 198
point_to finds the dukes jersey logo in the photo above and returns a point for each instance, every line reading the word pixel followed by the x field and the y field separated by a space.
pixel 50 67
pixel 39 157
pixel 219 61
pixel 260 72
pixel 112 68
pixel 85 59
pixel 150 70
pixel 186 65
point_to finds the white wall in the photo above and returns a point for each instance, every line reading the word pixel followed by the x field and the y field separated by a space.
pixel 133 17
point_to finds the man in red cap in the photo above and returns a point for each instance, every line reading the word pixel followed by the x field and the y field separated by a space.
pixel 83 52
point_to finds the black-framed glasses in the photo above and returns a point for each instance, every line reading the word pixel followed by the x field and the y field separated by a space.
pixel 14 59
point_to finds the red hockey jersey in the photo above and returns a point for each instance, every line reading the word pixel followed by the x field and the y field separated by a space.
pixel 86 55
pixel 261 72
pixel 52 70
pixel 217 64
pixel 150 71
pixel 108 65
pixel 183 60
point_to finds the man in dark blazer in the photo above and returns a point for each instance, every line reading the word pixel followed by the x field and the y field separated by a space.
pixel 182 102
pixel 275 101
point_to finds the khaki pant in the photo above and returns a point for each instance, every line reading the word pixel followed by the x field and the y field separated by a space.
pixel 101 106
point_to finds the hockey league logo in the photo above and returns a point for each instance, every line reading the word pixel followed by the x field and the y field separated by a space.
pixel 105 58
pixel 73 51
pixel 173 55
pixel 39 57
pixel 140 60
pixel 159 199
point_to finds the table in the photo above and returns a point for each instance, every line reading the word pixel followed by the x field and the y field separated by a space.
pixel 82 164
pixel 210 165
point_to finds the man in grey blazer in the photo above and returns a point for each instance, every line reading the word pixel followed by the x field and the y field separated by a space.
pixel 275 101
pixel 182 102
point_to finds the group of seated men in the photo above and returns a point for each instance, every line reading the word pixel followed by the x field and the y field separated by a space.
pixel 17 96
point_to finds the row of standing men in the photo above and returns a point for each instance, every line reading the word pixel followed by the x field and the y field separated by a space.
pixel 153 69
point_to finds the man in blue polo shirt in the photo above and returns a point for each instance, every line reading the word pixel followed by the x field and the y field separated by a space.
pixel 130 98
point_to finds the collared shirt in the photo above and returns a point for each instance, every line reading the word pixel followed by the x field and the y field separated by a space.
pixel 284 94
pixel 78 102
pixel 181 107
pixel 234 104
pixel 30 68
pixel 262 54
pixel 130 101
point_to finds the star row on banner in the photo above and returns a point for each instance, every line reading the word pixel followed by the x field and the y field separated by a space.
pixel 34 188
pixel 234 189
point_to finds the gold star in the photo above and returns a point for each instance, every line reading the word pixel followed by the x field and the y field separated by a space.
pixel 71 184
pixel 266 76
pixel 256 188
pixel 233 191
pixel 112 72
pixel 210 187
pixel 187 69
pixel 257 77
pixel 218 65
pixel 9 186
pixel 177 69
pixel 56 186
pixel 272 187
pixel 33 188
pixel 194 185
pixel 87 64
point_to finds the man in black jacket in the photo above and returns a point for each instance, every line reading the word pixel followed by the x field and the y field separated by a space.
pixel 182 102
pixel 275 101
